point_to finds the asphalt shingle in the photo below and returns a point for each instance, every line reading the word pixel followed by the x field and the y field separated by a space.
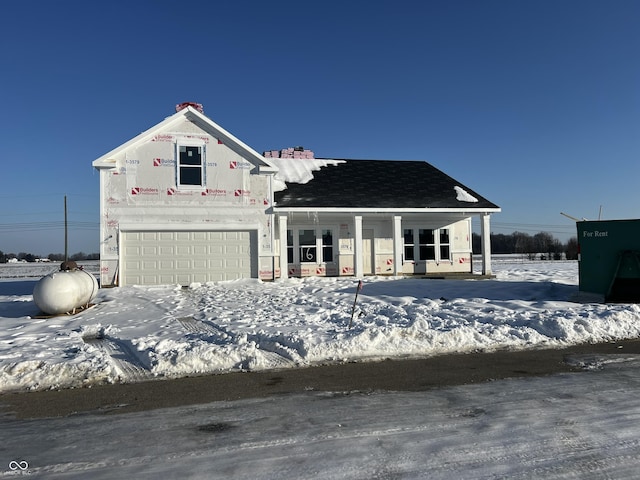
pixel 379 184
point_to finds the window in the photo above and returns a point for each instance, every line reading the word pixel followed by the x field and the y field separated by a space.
pixel 310 245
pixel 429 241
pixel 327 246
pixel 445 244
pixel 427 244
pixel 190 166
pixel 307 245
pixel 289 246
pixel 409 254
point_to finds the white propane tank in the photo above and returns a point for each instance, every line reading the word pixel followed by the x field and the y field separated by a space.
pixel 63 291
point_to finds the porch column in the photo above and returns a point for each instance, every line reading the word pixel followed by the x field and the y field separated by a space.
pixel 485 228
pixel 282 234
pixel 358 265
pixel 397 245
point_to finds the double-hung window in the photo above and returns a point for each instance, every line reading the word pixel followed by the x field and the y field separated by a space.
pixel 307 245
pixel 190 166
pixel 445 244
pixel 327 245
pixel 409 245
pixel 427 245
pixel 290 246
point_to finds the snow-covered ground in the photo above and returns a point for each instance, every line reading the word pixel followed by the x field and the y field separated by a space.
pixel 567 426
pixel 138 333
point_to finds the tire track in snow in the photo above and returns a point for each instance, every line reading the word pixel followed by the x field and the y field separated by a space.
pixel 270 351
pixel 125 360
pixel 192 325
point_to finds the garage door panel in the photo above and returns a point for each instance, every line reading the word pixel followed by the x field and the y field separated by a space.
pixel 166 264
pixel 199 250
pixel 216 263
pixel 132 251
pixel 200 236
pixel 182 264
pixel 187 257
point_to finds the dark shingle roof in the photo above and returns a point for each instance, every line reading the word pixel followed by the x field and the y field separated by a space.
pixel 379 184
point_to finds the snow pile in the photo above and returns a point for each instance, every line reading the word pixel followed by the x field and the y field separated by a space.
pixel 463 196
pixel 137 333
pixel 297 170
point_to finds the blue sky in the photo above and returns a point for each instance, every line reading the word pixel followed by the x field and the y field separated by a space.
pixel 533 104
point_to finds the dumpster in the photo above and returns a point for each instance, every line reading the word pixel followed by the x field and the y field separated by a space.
pixel 609 259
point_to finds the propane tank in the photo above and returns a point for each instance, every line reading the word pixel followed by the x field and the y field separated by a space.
pixel 65 290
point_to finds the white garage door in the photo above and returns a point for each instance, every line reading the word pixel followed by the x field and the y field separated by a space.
pixel 160 258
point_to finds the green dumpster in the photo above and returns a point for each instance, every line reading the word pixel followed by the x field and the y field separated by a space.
pixel 609 261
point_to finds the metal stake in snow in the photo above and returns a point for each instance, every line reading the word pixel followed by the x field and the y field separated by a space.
pixel 353 310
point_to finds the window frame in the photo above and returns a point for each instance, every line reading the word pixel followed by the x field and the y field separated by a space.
pixel 309 249
pixel 444 244
pixel 408 247
pixel 426 244
pixel 201 146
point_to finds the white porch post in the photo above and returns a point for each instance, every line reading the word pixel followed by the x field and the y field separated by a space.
pixel 485 227
pixel 357 261
pixel 397 244
pixel 282 234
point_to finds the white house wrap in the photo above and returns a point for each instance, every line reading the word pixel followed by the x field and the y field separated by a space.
pixel 187 202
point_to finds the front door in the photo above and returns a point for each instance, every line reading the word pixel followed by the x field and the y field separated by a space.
pixel 368 262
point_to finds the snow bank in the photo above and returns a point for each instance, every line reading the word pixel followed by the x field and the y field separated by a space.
pixel 137 333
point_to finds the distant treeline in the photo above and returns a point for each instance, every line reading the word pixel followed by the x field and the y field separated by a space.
pixel 53 257
pixel 542 243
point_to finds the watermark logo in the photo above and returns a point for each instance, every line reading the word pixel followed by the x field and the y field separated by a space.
pixel 17 465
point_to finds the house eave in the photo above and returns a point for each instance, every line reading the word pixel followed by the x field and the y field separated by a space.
pixel 264 166
pixel 352 210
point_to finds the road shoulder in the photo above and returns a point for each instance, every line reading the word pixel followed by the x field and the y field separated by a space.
pixel 415 374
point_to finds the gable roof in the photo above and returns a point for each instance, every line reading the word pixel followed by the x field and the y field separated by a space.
pixel 381 184
pixel 206 124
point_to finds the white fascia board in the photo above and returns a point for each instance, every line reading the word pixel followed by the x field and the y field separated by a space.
pixel 186 227
pixel 108 159
pixel 228 139
pixel 470 211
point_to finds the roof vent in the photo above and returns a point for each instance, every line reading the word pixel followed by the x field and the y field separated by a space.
pixel 183 105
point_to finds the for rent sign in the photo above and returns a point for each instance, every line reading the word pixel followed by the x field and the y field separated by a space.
pixel 604 248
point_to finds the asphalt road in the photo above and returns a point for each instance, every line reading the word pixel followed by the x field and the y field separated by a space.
pixel 389 375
